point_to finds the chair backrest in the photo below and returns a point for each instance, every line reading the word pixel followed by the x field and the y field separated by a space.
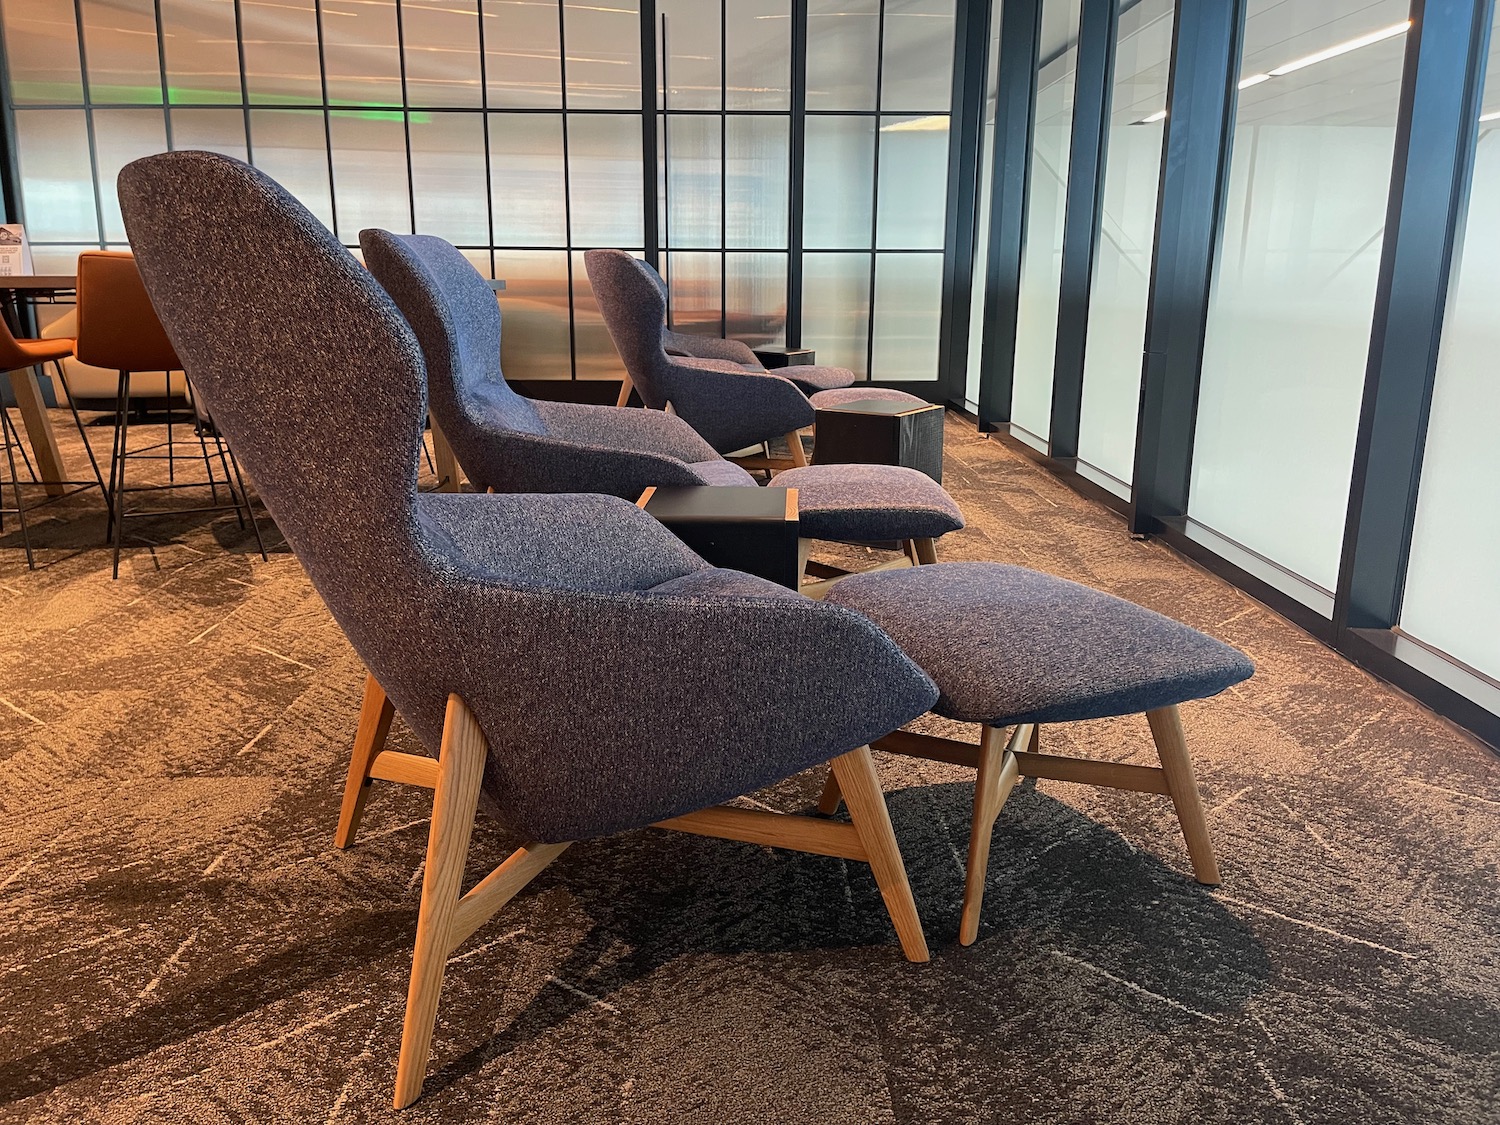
pixel 457 320
pixel 118 328
pixel 632 298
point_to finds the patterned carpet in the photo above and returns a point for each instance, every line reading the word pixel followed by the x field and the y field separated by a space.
pixel 179 940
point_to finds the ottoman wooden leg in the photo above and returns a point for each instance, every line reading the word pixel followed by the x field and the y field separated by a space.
pixel 926 550
pixel 1166 729
pixel 832 797
pixel 998 775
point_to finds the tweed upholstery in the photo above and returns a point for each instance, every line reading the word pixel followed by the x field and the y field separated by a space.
pixel 822 400
pixel 865 503
pixel 812 378
pixel 731 405
pixel 587 735
pixel 721 472
pixel 707 347
pixel 1008 645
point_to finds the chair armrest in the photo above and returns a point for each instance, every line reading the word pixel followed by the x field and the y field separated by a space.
pixel 639 431
pixel 733 408
pixel 710 347
pixel 518 462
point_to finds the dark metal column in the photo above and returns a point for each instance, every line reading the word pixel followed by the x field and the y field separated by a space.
pixel 1189 210
pixel 796 161
pixel 1015 99
pixel 1436 131
pixel 1092 96
pixel 649 153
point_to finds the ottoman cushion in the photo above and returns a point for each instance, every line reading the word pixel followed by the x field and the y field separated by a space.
pixel 1008 645
pixel 812 378
pixel 822 400
pixel 869 503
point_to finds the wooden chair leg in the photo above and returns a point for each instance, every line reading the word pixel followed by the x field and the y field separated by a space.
pixel 998 774
pixel 626 386
pixel 857 780
pixel 794 445
pixel 449 474
pixel 375 715
pixel 804 553
pixel 926 550
pixel 1171 746
pixel 832 798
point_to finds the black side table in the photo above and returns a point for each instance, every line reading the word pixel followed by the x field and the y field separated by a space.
pixel 774 356
pixel 881 432
pixel 736 527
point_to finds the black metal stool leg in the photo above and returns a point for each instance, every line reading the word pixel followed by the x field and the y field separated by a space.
pixel 15 483
pixel 249 511
pixel 62 378
pixel 171 461
pixel 114 458
pixel 119 497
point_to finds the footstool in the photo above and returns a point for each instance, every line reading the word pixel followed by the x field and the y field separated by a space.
pixel 1009 647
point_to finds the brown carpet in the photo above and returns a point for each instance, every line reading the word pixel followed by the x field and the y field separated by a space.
pixel 179 940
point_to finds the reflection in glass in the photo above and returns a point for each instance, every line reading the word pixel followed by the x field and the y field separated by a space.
pixel 759 63
pixel 908 307
pixel 281 51
pixel 41 42
pixel 913 183
pixel 522 63
pixel 120 136
pixel 214 130
pixel 1122 270
pixel 595 355
pixel 534 313
pixel 52 149
pixel 369 173
pixel 756 171
pixel 604 174
pixel 360 56
pixel 526 178
pixel 756 300
pixel 839 188
pixel 693 161
pixel 1294 287
pixel 691 76
pixel 56 259
pixel 603 42
pixel 441 42
pixel 447 175
pixel 918 73
pixel 1041 262
pixel 203 62
pixel 292 148
pixel 694 279
pixel 1452 599
pixel 843 49
pixel 836 308
pixel 119 37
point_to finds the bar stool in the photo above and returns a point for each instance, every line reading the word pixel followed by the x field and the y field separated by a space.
pixel 118 328
pixel 16 355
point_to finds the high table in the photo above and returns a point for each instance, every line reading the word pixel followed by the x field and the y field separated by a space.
pixel 23 382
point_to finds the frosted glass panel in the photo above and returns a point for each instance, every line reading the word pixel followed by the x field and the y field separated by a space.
pixel 759 64
pixel 596 357
pixel 843 54
pixel 1294 287
pixel 918 73
pixel 604 168
pixel 913 183
pixel 1452 597
pixel 447 174
pixel 1122 269
pixel 281 52
pixel 360 54
pixel 756 170
pixel 757 298
pixel 441 40
pixel 291 147
pixel 836 308
pixel 526 177
pixel 982 240
pixel 214 130
pixel 41 44
pixel 523 66
pixel 694 282
pixel 120 39
pixel 908 307
pixel 120 136
pixel 203 61
pixel 603 55
pixel 693 203
pixel 53 152
pixel 691 77
pixel 534 313
pixel 369 173
pixel 1041 261
pixel 839 175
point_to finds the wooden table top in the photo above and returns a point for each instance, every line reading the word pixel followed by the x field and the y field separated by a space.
pixel 38 282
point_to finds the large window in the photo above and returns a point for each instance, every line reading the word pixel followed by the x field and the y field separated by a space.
pixel 1294 286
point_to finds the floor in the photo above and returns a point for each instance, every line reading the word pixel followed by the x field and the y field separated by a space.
pixel 180 941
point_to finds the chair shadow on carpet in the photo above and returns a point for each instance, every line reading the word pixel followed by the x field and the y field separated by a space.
pixel 1059 884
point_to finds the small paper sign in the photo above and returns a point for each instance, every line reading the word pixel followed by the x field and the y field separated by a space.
pixel 15 251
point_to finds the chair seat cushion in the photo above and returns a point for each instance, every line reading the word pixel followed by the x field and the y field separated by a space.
pixel 1008 645
pixel 822 400
pixel 869 503
pixel 722 472
pixel 811 378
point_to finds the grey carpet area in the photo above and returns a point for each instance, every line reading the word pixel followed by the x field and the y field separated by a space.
pixel 180 941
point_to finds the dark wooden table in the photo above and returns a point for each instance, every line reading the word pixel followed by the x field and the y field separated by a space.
pixel 881 432
pixel 755 530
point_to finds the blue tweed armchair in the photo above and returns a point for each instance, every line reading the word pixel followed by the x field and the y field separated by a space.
pixel 487 620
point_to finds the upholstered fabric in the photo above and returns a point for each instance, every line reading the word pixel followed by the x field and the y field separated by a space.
pixel 26 353
pixel 867 503
pixel 117 327
pixel 602 710
pixel 821 400
pixel 811 378
pixel 708 347
pixel 731 405
pixel 728 582
pixel 1008 645
pixel 721 472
